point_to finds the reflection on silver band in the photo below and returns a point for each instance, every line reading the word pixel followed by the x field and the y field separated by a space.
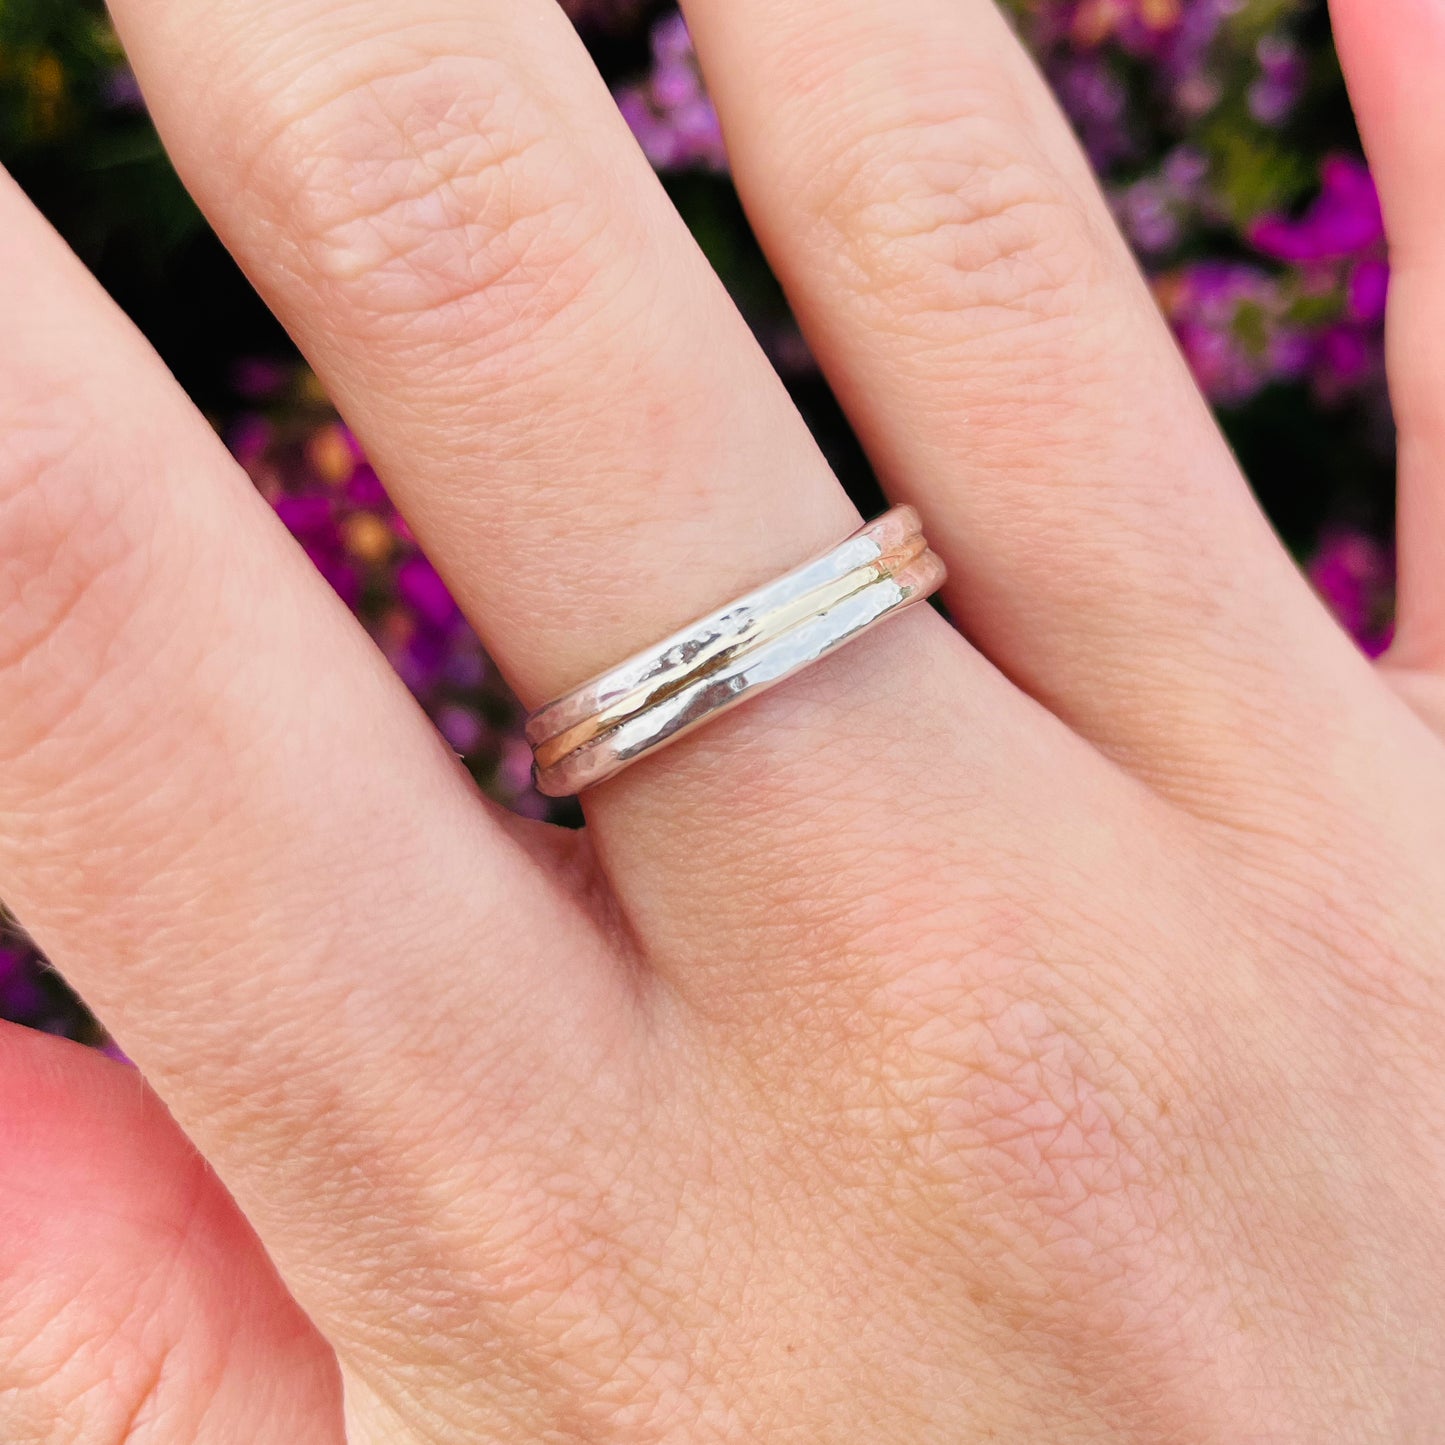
pixel 658 695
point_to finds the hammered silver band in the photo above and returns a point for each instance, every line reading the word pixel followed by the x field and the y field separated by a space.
pixel 660 694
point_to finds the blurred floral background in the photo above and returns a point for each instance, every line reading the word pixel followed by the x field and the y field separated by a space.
pixel 1220 130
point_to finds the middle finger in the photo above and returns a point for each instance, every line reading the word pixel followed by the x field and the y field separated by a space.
pixel 959 276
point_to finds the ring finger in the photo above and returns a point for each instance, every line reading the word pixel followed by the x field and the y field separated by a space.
pixel 445 207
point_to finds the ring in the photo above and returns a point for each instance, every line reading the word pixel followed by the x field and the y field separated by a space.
pixel 661 694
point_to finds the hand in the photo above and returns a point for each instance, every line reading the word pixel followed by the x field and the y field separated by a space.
pixel 1033 1037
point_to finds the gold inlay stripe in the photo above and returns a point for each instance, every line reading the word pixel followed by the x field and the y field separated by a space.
pixel 724 650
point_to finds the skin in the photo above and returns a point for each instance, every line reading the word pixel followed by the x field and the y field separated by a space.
pixel 1027 1037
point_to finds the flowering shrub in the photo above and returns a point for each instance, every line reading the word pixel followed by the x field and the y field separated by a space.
pixel 1220 133
pixel 668 109
pixel 310 468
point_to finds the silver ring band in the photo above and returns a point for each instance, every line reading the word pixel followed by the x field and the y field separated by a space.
pixel 664 692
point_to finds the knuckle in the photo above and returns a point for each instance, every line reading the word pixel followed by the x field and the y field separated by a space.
pixel 1059 1118
pixel 427 190
pixel 1355 919
pixel 1050 1123
pixel 937 216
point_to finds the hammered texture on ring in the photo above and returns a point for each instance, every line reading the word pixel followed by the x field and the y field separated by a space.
pixel 752 644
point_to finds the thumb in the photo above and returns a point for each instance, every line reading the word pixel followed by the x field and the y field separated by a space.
pixel 136 1306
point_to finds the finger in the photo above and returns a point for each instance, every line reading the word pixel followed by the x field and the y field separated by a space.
pixel 136 1304
pixel 1394 55
pixel 223 817
pixel 956 270
pixel 448 212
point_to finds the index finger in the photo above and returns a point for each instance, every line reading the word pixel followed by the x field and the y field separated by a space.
pixel 227 822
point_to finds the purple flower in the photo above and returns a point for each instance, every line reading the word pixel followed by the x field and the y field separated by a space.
pixel 1344 220
pixel 1369 288
pixel 364 489
pixel 1345 359
pixel 309 518
pixel 249 440
pixel 467 666
pixel 333 502
pixel 1097 102
pixel 669 111
pixel 344 577
pixel 1154 210
pixel 1149 216
pixel 1355 576
pixel 460 727
pixel 418 585
pixel 1337 251
pixel 1232 322
pixel 1282 74
pixel 1177 38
